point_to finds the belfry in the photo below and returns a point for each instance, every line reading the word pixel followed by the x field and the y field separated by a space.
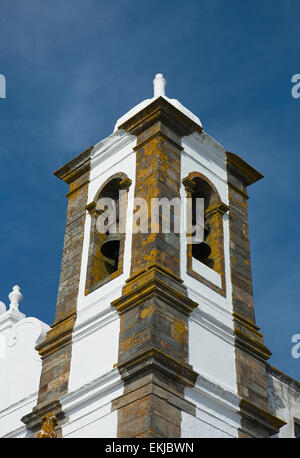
pixel 153 337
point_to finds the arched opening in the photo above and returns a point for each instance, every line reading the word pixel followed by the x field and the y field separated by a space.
pixel 210 250
pixel 202 250
pixel 107 237
pixel 111 238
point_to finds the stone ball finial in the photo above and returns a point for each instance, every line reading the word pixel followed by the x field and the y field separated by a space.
pixel 15 298
pixel 159 84
pixel 2 307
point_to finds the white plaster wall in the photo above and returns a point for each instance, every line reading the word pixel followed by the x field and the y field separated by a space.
pixel 211 342
pixel 97 327
pixel 88 408
pixel 96 424
pixel 10 417
pixel 20 370
pixel 285 402
pixel 217 411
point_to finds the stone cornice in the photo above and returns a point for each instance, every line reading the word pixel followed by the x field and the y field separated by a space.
pixel 154 283
pixel 247 172
pixel 261 417
pixel 59 335
pixel 161 110
pixel 284 378
pixel 247 324
pixel 154 359
pixel 33 420
pixel 248 337
pixel 217 207
pixel 92 209
pixel 157 269
pixel 151 385
pixel 189 185
pixel 160 136
pixel 76 167
pixel 252 346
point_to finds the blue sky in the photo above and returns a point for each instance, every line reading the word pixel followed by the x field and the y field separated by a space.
pixel 74 67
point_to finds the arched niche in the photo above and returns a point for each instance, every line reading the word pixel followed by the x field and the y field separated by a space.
pixel 106 248
pixel 210 253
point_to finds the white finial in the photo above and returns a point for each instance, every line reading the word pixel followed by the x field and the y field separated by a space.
pixel 15 297
pixel 2 307
pixel 159 84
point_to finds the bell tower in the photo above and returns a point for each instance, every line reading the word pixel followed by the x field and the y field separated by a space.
pixel 154 336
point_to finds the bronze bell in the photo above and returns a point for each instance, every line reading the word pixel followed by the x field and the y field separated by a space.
pixel 110 250
pixel 201 251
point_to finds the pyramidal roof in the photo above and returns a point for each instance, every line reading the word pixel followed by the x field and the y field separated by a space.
pixel 159 84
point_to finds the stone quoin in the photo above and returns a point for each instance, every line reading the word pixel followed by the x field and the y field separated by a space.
pixel 153 337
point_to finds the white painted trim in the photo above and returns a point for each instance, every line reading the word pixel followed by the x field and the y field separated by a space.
pixel 220 308
pixel 16 433
pixel 206 272
pixel 110 146
pixel 207 145
pixel 90 402
pixel 83 394
pixel 208 387
pixel 94 322
pixel 217 408
pixel 13 414
pixel 17 405
pixel 213 325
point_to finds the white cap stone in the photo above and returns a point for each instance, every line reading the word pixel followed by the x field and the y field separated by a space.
pixel 159 84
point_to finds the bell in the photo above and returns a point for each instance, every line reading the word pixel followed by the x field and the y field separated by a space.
pixel 110 250
pixel 201 250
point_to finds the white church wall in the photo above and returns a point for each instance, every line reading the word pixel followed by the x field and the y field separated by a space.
pixel 217 411
pixel 88 408
pixel 10 417
pixel 284 398
pixel 20 366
